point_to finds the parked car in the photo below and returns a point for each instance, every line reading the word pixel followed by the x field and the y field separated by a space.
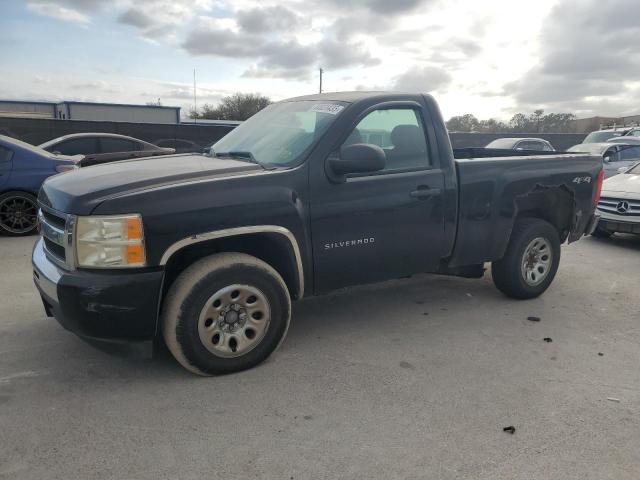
pixel 600 136
pixel 619 205
pixel 180 145
pixel 209 251
pixel 521 144
pixel 626 140
pixel 103 147
pixel 634 132
pixel 23 168
pixel 615 154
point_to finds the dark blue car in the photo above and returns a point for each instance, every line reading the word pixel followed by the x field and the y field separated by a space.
pixel 23 168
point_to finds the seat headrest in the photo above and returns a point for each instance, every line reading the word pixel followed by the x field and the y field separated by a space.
pixel 408 137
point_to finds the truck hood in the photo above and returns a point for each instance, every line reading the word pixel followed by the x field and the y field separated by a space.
pixel 623 182
pixel 80 191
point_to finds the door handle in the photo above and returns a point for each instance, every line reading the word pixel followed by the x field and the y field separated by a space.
pixel 425 192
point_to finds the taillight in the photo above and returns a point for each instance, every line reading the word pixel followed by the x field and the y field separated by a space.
pixel 596 198
pixel 65 168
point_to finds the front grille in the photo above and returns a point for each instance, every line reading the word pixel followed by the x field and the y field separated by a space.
pixel 619 206
pixel 54 249
pixel 56 229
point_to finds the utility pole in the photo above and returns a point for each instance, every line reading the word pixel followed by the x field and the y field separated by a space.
pixel 321 72
pixel 195 101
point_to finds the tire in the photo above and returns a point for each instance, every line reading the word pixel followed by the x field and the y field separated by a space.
pixel 523 278
pixel 601 233
pixel 18 214
pixel 201 342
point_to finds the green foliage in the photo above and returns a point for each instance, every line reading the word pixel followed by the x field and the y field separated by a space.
pixel 238 106
pixel 537 122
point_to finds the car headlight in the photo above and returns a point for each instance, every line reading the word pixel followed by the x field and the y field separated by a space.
pixel 110 241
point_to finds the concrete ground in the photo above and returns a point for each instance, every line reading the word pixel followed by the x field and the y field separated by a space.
pixel 412 379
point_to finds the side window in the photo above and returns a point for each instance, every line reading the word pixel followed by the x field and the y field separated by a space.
pixel 632 153
pixel 76 146
pixel 399 132
pixel 612 154
pixel 635 133
pixel 115 145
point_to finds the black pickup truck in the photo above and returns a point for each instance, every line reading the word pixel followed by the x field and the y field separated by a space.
pixel 310 195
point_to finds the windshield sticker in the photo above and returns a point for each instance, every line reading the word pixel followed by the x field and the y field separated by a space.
pixel 330 108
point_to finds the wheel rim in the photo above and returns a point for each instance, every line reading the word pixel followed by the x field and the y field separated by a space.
pixel 18 214
pixel 234 320
pixel 536 261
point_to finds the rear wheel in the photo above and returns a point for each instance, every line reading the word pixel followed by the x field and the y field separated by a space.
pixel 531 260
pixel 225 313
pixel 18 214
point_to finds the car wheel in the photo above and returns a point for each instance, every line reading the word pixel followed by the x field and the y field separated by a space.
pixel 531 260
pixel 601 233
pixel 225 313
pixel 18 214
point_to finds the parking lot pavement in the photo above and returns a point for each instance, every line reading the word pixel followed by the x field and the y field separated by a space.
pixel 408 379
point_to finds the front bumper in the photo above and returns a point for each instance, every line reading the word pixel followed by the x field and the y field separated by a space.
pixel 619 223
pixel 109 306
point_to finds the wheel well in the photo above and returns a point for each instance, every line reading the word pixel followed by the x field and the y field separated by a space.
pixel 271 248
pixel 556 205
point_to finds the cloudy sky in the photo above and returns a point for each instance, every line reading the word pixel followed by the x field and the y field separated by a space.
pixel 490 58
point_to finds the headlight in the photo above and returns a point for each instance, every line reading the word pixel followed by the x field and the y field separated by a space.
pixel 110 241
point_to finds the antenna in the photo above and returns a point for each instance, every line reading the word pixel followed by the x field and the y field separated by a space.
pixel 195 100
pixel 321 72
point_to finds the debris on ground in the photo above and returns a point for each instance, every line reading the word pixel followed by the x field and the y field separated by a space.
pixel 510 429
pixel 613 399
pixel 425 313
pixel 533 319
pixel 548 339
pixel 600 354
pixel 469 295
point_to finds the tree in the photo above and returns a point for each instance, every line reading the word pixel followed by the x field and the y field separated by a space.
pixel 536 122
pixel 238 106
pixel 462 123
pixel 157 103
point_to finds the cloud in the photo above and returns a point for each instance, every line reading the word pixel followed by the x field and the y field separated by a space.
pixel 588 53
pixel 136 18
pixel 422 79
pixel 58 12
pixel 276 57
pixel 384 7
pixel 276 19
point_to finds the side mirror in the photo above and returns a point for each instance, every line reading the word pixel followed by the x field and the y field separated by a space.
pixel 607 159
pixel 358 158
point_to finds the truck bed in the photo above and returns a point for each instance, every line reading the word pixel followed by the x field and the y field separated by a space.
pixel 481 152
pixel 492 191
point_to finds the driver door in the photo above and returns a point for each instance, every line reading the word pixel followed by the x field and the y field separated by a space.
pixel 384 224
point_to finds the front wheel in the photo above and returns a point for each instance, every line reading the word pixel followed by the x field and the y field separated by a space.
pixel 225 313
pixel 531 260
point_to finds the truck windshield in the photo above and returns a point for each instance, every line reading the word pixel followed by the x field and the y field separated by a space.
pixel 280 135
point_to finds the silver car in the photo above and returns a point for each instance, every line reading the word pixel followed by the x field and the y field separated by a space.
pixel 521 144
pixel 615 155
pixel 619 205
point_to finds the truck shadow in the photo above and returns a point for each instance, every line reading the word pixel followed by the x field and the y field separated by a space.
pixel 381 308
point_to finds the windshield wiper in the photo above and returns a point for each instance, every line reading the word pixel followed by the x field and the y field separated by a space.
pixel 237 154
